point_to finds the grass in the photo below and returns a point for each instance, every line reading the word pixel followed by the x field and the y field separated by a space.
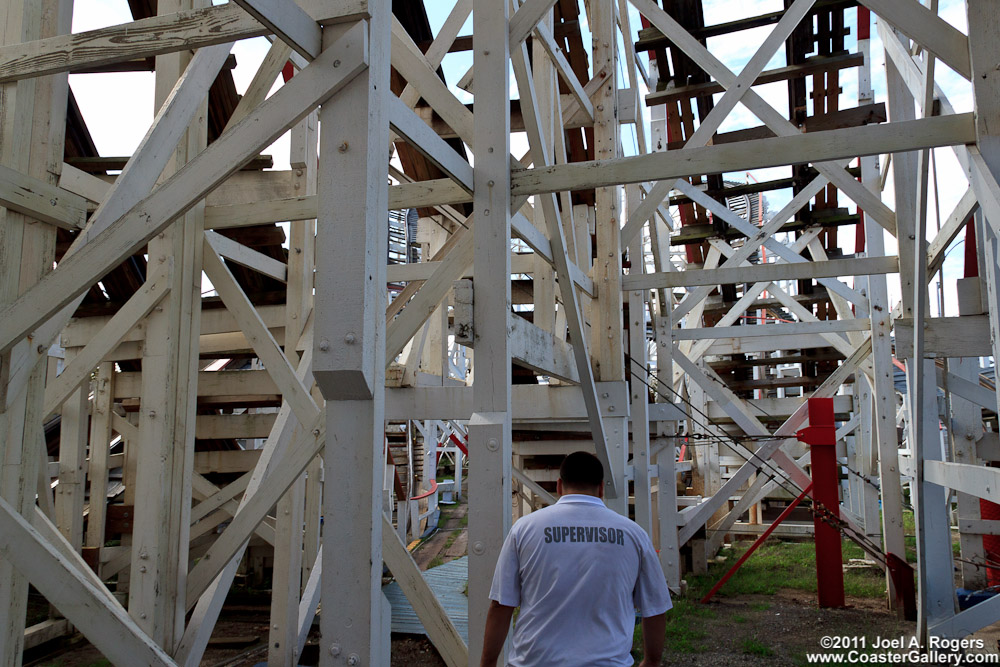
pixel 435 562
pixel 752 646
pixel 777 565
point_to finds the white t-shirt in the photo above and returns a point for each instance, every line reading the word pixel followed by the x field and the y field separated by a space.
pixel 578 571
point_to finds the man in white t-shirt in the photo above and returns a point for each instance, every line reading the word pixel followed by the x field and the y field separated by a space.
pixel 578 571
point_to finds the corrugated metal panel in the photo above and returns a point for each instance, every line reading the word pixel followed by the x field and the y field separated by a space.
pixel 448 582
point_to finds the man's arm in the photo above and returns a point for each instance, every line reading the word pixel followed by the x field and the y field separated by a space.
pixel 653 632
pixel 497 625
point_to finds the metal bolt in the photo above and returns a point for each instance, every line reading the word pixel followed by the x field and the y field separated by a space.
pixel 354 659
pixel 142 615
pixel 486 212
pixel 324 345
pixel 343 147
pixel 490 183
pixel 335 649
pixel 151 414
pixel 143 555
pixel 336 63
pixel 492 444
pixel 40 348
pixel 349 339
pixel 611 408
pixel 479 548
pixel 316 432
pixel 142 568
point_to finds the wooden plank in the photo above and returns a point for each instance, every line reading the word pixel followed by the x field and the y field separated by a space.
pixel 489 429
pixel 813 147
pixel 190 29
pixel 774 119
pixel 135 181
pixel 526 19
pixel 79 369
pixel 349 354
pixel 541 350
pixel 182 191
pixel 927 29
pixel 765 272
pixel 809 67
pixel 100 437
pixel 289 22
pixel 38 199
pixel 944 337
pixel 800 328
pixel 440 630
pixel 46 631
pixel 106 624
pixel 419 135
pixel 247 257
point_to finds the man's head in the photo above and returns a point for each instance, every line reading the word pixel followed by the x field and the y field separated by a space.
pixel 581 472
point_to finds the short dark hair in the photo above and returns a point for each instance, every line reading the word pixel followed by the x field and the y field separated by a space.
pixel 581 470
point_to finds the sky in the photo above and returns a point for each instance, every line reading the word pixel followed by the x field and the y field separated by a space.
pixel 117 129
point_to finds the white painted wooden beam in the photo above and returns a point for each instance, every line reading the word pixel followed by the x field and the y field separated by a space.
pixel 289 22
pixel 182 191
pixel 247 257
pixel 813 147
pixel 38 199
pixel 799 328
pixel 106 624
pixel 419 135
pixel 144 38
pixel 928 29
pixel 761 272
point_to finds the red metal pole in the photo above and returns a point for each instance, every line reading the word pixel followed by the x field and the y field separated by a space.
pixel 821 435
pixel 757 543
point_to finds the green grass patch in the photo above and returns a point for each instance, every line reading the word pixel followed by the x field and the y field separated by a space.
pixel 684 626
pixel 435 562
pixel 752 646
pixel 777 565
pixel 760 606
pixel 739 619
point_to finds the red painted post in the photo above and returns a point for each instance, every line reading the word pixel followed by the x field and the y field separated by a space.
pixel 821 435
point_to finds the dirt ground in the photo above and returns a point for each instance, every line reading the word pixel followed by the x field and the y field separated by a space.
pixel 778 629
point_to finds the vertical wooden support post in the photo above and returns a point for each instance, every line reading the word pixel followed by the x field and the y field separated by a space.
pixel 165 451
pixel 349 349
pixel 983 49
pixel 608 330
pixel 303 159
pixel 637 372
pixel 666 498
pixel 965 430
pixel 32 128
pixel 100 436
pixel 882 437
pixel 72 461
pixel 282 646
pixel 313 513
pixel 935 588
pixel 904 166
pixel 489 429
pixel 546 89
pixel 821 435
